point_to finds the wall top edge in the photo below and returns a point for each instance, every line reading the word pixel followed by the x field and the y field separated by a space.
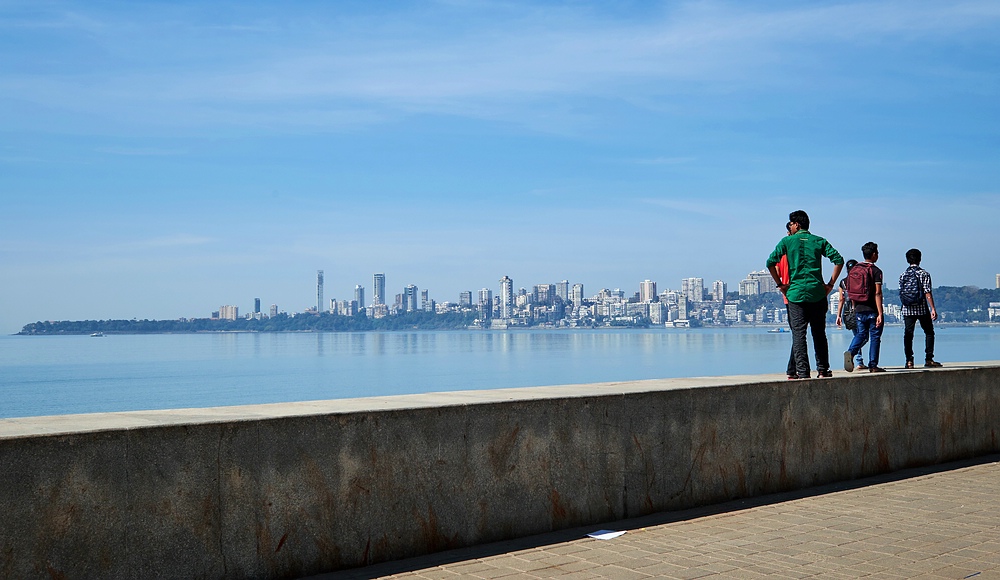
pixel 55 425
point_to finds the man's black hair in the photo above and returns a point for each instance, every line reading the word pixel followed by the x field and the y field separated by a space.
pixel 799 217
pixel 913 256
pixel 869 249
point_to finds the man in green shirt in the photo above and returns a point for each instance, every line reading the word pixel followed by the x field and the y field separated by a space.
pixel 806 291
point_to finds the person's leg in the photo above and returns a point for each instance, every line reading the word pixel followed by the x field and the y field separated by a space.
pixel 927 325
pixel 797 321
pixel 865 322
pixel 790 369
pixel 908 324
pixel 876 343
pixel 860 359
pixel 817 324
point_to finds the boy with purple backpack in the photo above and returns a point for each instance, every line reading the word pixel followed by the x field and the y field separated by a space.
pixel 864 287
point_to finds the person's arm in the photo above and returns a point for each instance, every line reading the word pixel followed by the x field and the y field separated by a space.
pixel 840 308
pixel 782 287
pixel 838 264
pixel 930 303
pixel 930 298
pixel 879 320
pixel 833 279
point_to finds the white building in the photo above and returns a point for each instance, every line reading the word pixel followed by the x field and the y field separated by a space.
pixel 506 297
pixel 719 291
pixel 647 291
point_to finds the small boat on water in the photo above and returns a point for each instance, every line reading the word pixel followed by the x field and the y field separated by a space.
pixel 778 330
pixel 97 334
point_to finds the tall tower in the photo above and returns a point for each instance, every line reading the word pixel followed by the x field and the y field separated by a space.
pixel 562 290
pixel 486 304
pixel 410 298
pixel 256 305
pixel 577 294
pixel 319 290
pixel 359 295
pixel 647 291
pixel 506 297
pixel 378 282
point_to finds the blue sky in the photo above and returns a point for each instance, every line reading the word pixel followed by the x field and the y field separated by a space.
pixel 158 160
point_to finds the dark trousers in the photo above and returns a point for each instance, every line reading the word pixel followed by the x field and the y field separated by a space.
pixel 812 315
pixel 928 327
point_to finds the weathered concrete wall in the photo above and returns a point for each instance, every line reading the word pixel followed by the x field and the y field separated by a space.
pixel 281 491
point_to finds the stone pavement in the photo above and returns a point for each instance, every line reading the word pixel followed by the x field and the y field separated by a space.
pixel 937 522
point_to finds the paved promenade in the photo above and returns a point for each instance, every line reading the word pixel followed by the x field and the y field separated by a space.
pixel 941 522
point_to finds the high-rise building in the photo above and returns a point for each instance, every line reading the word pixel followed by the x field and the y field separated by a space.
pixel 577 295
pixel 749 287
pixel 256 305
pixel 274 310
pixel 765 283
pixel 562 290
pixel 506 297
pixel 693 289
pixel 465 298
pixel 425 299
pixel 319 290
pixel 410 298
pixel 647 291
pixel 998 280
pixel 486 303
pixel 544 294
pixel 719 291
pixel 378 282
pixel 359 295
pixel 229 312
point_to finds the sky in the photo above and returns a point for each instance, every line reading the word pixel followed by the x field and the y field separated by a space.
pixel 161 159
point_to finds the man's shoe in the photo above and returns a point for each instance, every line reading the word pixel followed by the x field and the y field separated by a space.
pixel 824 374
pixel 909 364
pixel 861 367
pixel 848 361
pixel 933 364
pixel 793 377
pixel 875 369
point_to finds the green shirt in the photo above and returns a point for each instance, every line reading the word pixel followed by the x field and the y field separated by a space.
pixel 805 265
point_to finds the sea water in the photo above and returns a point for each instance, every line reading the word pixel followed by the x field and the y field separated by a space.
pixel 50 375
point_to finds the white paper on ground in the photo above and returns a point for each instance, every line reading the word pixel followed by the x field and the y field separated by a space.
pixel 605 534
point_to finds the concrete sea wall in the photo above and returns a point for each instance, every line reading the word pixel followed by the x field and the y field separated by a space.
pixel 284 491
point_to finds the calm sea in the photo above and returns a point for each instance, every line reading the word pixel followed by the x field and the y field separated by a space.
pixel 50 375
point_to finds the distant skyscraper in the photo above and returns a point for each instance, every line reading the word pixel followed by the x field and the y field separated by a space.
pixel 410 298
pixel 647 291
pixel 486 303
pixel 562 290
pixel 998 280
pixel 274 310
pixel 256 305
pixel 693 289
pixel 425 300
pixel 378 282
pixel 544 294
pixel 229 312
pixel 465 298
pixel 319 290
pixel 718 290
pixel 359 295
pixel 506 297
pixel 577 296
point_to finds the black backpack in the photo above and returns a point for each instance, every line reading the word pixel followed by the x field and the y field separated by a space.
pixel 910 292
pixel 848 316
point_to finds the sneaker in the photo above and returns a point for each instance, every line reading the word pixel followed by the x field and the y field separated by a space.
pixel 793 377
pixel 933 364
pixel 861 367
pixel 875 369
pixel 909 364
pixel 824 374
pixel 848 361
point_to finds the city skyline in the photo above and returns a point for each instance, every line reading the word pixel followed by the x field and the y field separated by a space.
pixel 161 159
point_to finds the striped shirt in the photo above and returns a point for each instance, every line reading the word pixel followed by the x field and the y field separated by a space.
pixel 920 308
